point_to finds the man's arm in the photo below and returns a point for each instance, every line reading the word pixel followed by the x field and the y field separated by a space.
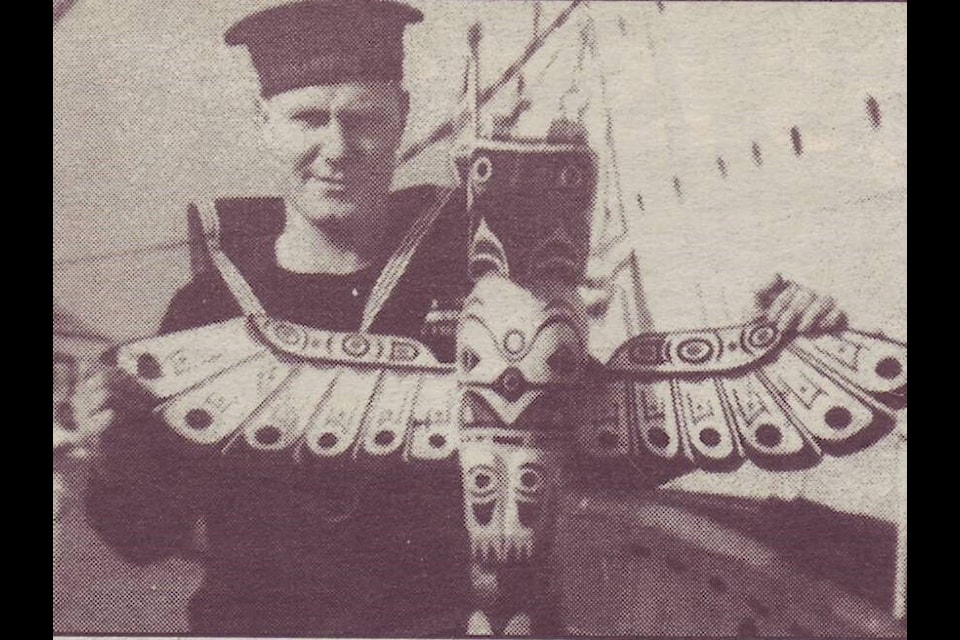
pixel 142 497
pixel 132 499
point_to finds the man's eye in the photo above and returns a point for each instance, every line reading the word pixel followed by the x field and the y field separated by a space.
pixel 359 122
pixel 313 119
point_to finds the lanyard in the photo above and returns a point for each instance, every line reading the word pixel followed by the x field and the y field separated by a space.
pixel 392 271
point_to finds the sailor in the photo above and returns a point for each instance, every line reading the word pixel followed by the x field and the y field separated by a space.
pixel 324 555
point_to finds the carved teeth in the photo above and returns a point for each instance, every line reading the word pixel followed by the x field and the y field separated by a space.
pixel 527 548
pixel 500 550
pixel 479 625
pixel 519 625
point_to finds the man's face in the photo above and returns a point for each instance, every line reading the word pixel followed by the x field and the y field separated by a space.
pixel 338 143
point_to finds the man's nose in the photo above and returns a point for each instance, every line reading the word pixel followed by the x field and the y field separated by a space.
pixel 335 146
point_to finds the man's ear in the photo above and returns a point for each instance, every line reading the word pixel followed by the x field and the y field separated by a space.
pixel 403 110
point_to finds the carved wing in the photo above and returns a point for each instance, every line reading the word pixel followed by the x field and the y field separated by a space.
pixel 265 385
pixel 716 397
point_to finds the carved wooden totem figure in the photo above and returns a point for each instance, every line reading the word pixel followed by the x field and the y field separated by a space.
pixel 521 350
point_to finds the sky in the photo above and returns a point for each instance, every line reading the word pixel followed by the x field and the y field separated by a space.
pixel 153 111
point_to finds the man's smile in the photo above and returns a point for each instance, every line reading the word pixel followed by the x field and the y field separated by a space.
pixel 330 184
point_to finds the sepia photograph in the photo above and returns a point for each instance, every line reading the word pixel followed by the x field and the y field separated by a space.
pixel 455 318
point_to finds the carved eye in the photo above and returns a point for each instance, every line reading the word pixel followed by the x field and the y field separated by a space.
pixel 563 361
pixel 571 176
pixel 468 359
pixel 531 479
pixel 483 481
pixel 482 169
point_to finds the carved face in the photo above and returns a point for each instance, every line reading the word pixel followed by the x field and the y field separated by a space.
pixel 514 344
pixel 508 493
pixel 537 200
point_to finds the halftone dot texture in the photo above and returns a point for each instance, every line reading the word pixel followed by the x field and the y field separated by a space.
pixel 313 42
pixel 152 112
pixel 97 592
pixel 668 566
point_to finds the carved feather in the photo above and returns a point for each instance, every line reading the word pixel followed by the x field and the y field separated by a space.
pixel 719 396
pixel 712 397
pixel 265 386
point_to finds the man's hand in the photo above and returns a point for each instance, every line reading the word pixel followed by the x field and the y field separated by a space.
pixel 79 417
pixel 796 308
pixel 85 414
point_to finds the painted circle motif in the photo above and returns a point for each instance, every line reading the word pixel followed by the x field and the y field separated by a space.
pixel 198 419
pixel 148 367
pixel 469 360
pixel 658 437
pixel 762 337
pixel 695 350
pixel 482 169
pixel 769 435
pixel 403 351
pixel 384 438
pixel 327 440
pixel 888 368
pixel 647 352
pixel 482 480
pixel 514 341
pixel 532 479
pixel 268 435
pixel 838 418
pixel 571 176
pixel 710 437
pixel 287 333
pixel 356 345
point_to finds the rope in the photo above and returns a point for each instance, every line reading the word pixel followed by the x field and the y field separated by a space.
pixel 397 264
pixel 238 286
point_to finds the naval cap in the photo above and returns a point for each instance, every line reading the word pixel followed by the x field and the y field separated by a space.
pixel 324 42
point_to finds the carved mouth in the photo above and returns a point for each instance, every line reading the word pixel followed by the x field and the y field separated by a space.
pixel 511 384
pixel 490 551
pixel 558 260
pixel 483 513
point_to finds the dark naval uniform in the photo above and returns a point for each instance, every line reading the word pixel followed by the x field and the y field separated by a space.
pixel 296 551
pixel 309 554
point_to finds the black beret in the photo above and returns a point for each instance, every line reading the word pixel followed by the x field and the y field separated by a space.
pixel 325 41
